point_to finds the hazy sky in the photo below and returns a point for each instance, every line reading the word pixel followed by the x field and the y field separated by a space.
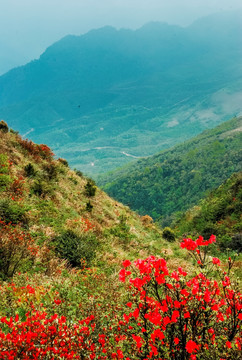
pixel 27 27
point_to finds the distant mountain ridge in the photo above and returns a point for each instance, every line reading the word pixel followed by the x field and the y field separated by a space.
pixel 96 97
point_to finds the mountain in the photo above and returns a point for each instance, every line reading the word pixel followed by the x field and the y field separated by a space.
pixel 110 95
pixel 219 214
pixel 177 178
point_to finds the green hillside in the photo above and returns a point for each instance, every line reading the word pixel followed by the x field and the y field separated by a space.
pixel 176 179
pixel 218 214
pixel 109 96
pixel 64 213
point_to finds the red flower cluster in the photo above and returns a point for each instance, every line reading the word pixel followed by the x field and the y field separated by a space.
pixel 35 150
pixel 189 244
pixel 16 246
pixel 169 315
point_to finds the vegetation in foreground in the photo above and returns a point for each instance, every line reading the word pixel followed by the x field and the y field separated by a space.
pixel 160 314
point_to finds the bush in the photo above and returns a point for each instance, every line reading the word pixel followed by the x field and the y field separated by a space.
pixel 3 126
pixel 5 178
pixel 168 234
pixel 5 181
pixel 12 212
pixel 76 248
pixel 29 170
pixel 41 188
pixel 16 248
pixel 90 188
pixel 181 317
pixel 89 206
pixel 50 170
pixel 78 173
pixel 63 161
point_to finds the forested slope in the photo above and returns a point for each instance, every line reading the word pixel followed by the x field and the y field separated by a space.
pixel 176 179
pixel 219 214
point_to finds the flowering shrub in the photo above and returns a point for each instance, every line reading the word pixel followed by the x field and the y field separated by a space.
pixel 5 179
pixel 36 150
pixel 173 317
pixel 169 315
pixel 16 246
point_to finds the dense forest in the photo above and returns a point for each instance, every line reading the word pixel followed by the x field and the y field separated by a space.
pixel 219 214
pixel 178 178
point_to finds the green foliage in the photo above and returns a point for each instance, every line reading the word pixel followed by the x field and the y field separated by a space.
pixel 89 206
pixel 122 231
pixel 5 178
pixel 41 187
pixel 5 181
pixel 14 132
pixel 90 188
pixel 51 171
pixel 29 170
pixel 176 179
pixel 12 212
pixel 63 162
pixel 219 214
pixel 78 173
pixel 168 234
pixel 76 248
pixel 3 126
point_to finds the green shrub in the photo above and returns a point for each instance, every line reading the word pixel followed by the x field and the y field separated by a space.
pixel 3 126
pixel 29 170
pixel 90 188
pixel 14 132
pixel 75 248
pixel 122 230
pixel 89 206
pixel 4 166
pixel 168 234
pixel 10 211
pixel 230 242
pixel 50 171
pixel 63 161
pixel 5 181
pixel 78 173
pixel 41 188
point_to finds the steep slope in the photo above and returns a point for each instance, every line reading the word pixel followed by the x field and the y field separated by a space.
pixel 176 179
pixel 97 98
pixel 64 213
pixel 218 214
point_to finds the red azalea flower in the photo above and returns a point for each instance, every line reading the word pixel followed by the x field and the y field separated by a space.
pixel 126 263
pixel 191 346
pixel 216 261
